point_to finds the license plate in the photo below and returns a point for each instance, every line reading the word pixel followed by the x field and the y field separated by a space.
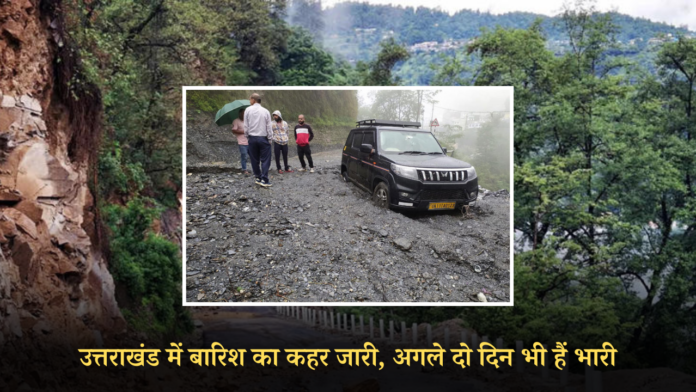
pixel 441 206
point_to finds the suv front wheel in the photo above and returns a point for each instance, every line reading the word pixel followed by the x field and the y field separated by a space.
pixel 381 195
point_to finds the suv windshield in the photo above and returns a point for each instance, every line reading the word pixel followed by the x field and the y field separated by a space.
pixel 405 142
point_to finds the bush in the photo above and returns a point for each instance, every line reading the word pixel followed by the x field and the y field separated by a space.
pixel 149 266
pixel 118 175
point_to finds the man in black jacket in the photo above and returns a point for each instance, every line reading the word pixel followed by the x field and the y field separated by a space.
pixel 304 135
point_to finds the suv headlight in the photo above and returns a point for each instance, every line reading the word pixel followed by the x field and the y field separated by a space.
pixel 405 171
pixel 472 173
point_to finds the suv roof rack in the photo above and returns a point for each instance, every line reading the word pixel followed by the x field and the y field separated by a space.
pixel 373 122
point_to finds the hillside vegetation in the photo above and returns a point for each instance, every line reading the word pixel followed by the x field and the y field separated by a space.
pixel 605 175
pixel 320 107
pixel 354 30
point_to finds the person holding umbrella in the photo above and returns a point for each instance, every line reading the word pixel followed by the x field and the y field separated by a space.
pixel 257 128
pixel 238 130
pixel 280 141
pixel 233 113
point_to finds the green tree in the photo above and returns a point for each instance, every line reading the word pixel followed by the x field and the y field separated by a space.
pixel 665 269
pixel 304 64
pixel 398 105
pixel 603 206
pixel 380 70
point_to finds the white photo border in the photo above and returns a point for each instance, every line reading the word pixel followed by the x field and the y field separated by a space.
pixel 510 90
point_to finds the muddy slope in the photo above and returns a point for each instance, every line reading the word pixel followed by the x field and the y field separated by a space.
pixel 312 237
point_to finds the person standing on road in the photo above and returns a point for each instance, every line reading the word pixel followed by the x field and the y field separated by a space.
pixel 280 141
pixel 257 128
pixel 304 135
pixel 238 131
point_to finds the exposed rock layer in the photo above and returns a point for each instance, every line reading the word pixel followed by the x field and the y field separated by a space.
pixel 54 282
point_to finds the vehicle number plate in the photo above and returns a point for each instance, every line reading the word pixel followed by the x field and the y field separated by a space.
pixel 441 206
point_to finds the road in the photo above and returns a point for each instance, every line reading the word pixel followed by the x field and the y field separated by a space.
pixel 312 237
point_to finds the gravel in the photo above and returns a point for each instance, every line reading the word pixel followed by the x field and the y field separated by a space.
pixel 312 237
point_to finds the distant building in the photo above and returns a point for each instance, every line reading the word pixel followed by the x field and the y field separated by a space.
pixel 359 31
pixel 434 46
pixel 466 120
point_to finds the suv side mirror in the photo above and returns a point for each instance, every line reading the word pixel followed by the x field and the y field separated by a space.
pixel 444 150
pixel 366 148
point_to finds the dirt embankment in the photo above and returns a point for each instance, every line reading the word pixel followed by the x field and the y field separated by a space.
pixel 312 237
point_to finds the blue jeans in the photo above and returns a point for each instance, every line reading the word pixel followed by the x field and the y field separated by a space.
pixel 244 152
pixel 260 153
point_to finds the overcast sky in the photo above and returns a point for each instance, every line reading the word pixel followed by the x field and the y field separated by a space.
pixel 460 99
pixel 674 12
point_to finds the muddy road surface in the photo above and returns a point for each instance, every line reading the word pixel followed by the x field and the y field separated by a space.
pixel 312 237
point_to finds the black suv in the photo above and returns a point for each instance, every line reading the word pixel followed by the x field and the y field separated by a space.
pixel 404 166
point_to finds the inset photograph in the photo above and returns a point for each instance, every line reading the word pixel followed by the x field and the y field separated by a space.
pixel 370 195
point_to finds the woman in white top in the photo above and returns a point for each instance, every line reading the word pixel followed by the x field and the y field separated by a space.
pixel 280 141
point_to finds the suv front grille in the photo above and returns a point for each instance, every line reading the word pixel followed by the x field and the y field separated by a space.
pixel 454 194
pixel 442 175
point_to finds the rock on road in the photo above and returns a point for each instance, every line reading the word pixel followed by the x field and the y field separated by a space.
pixel 312 237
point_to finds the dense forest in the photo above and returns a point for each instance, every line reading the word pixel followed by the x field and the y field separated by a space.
pixel 411 25
pixel 605 214
pixel 605 209
pixel 353 31
pixel 604 249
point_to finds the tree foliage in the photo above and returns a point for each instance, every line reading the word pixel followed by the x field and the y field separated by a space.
pixel 604 202
pixel 380 70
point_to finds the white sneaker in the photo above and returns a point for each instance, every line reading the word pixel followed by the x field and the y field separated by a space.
pixel 311 170
pixel 301 170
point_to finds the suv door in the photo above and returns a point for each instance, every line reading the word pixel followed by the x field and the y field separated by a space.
pixel 353 157
pixel 365 168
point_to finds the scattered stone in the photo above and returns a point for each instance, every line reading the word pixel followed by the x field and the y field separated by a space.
pixel 481 297
pixel 403 244
pixel 347 252
pixel 502 192
pixel 191 234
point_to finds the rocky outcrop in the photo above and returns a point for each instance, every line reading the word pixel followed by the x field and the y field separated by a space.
pixel 54 282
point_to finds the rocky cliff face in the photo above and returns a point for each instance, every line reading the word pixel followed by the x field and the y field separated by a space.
pixel 54 283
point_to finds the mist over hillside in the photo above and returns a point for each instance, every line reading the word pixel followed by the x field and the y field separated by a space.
pixel 353 31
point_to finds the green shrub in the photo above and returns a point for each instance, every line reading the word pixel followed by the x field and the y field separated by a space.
pixel 149 266
pixel 116 174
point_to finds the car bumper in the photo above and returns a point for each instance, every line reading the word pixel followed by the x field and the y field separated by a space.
pixel 418 197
